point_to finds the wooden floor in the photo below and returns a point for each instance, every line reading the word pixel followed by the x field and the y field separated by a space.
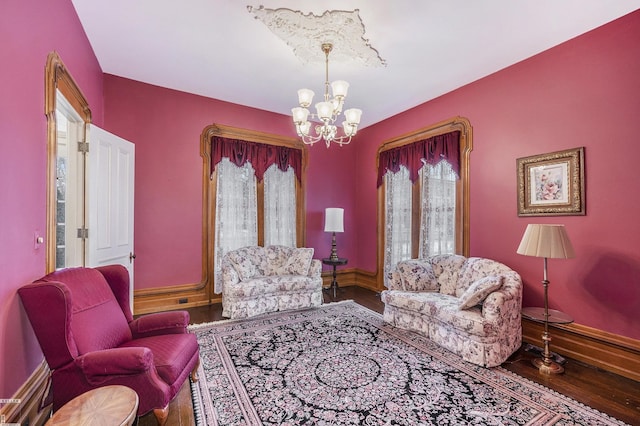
pixel 612 394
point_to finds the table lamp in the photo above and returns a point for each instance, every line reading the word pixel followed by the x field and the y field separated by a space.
pixel 546 241
pixel 333 222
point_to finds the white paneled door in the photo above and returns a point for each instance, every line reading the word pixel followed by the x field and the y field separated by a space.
pixel 110 180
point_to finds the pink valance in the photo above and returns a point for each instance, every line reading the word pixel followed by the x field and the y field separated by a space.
pixel 431 150
pixel 260 155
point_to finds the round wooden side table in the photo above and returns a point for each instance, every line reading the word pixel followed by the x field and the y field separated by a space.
pixel 109 406
pixel 334 262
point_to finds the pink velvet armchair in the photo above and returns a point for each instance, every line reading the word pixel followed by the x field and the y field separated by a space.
pixel 83 322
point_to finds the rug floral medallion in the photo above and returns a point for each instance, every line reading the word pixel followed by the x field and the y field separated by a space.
pixel 341 364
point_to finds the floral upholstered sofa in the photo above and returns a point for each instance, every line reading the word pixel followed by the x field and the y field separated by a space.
pixel 470 306
pixel 256 280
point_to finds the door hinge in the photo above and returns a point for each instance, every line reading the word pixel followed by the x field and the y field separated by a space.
pixel 83 233
pixel 83 147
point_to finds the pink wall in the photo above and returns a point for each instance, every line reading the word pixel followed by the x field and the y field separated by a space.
pixel 165 126
pixel 581 93
pixel 28 32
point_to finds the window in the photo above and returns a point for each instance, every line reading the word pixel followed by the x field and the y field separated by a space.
pixel 424 202
pixel 437 209
pixel 399 207
pixel 254 194
pixel 236 222
pixel 279 207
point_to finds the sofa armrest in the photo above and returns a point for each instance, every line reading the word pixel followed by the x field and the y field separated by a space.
pixel 229 274
pixel 315 269
pixel 171 322
pixel 505 302
pixel 394 281
pixel 100 366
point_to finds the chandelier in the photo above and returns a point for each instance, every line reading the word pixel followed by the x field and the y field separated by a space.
pixel 327 112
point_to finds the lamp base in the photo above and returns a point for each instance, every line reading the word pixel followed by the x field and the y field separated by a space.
pixel 334 249
pixel 547 367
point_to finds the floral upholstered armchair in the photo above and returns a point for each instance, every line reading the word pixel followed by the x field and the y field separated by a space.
pixel 256 280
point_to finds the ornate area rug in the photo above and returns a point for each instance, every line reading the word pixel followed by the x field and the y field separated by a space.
pixel 340 364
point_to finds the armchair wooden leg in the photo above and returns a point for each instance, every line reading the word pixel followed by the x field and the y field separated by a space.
pixel 161 414
pixel 194 372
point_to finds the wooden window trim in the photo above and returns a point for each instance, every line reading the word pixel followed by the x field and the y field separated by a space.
pixel 462 187
pixel 209 185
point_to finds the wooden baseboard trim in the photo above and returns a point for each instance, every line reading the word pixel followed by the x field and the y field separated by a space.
pixel 26 409
pixel 607 351
pixel 152 300
pixel 368 280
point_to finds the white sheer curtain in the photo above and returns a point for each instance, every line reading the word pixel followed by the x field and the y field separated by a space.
pixel 279 207
pixel 236 211
pixel 398 192
pixel 437 209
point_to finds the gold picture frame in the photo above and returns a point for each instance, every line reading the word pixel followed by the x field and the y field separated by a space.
pixel 552 184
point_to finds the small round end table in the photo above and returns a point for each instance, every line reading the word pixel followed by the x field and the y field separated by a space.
pixel 108 405
pixel 334 262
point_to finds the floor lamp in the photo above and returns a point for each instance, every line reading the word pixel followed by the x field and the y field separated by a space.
pixel 546 241
pixel 333 222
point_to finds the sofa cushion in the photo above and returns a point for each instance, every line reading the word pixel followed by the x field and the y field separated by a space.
pixel 427 303
pixel 417 275
pixel 171 353
pixel 476 268
pixel 277 256
pixel 260 286
pixel 249 261
pixel 446 268
pixel 479 290
pixel 298 263
pixel 440 308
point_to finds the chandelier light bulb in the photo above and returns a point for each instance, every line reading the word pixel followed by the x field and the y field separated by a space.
pixel 299 114
pixel 353 115
pixel 324 110
pixel 349 129
pixel 305 97
pixel 339 89
pixel 303 128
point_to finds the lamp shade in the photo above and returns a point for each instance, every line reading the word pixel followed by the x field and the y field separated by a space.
pixel 339 88
pixel 550 241
pixel 353 115
pixel 299 114
pixel 324 110
pixel 305 97
pixel 333 219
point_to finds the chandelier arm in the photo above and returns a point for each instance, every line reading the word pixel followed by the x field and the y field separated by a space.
pixel 310 140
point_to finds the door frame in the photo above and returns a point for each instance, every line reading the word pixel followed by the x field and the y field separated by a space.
pixel 58 78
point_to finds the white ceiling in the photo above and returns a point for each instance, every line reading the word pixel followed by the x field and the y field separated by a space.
pixel 216 48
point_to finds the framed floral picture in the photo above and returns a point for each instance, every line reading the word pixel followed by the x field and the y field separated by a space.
pixel 551 184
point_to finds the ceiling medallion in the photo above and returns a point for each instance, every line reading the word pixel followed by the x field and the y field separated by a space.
pixel 304 33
